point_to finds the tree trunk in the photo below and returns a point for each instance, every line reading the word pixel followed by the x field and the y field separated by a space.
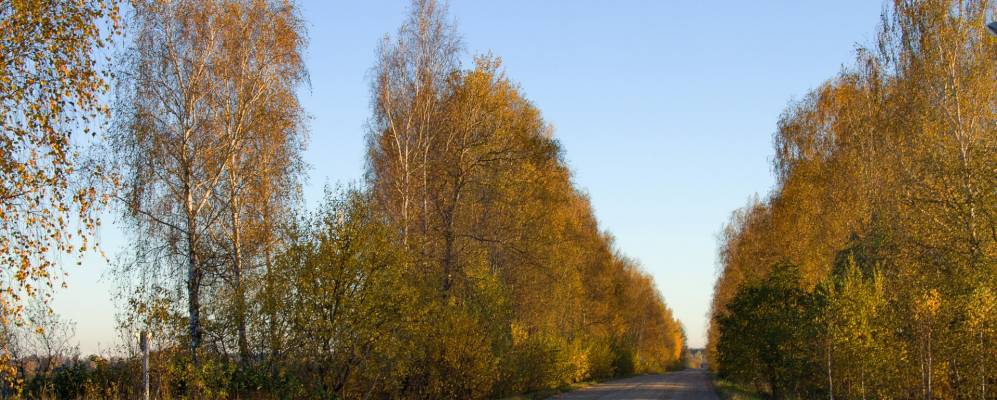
pixel 862 381
pixel 448 256
pixel 240 295
pixel 272 325
pixel 930 395
pixel 194 306
pixel 194 274
pixel 830 380
pixel 774 383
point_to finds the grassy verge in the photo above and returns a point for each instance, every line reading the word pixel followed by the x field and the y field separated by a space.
pixel 730 391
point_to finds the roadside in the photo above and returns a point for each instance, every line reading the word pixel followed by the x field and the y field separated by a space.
pixel 728 390
pixel 548 393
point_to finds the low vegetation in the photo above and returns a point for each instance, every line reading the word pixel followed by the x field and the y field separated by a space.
pixel 728 390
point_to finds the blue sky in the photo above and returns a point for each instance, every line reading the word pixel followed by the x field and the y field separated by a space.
pixel 665 109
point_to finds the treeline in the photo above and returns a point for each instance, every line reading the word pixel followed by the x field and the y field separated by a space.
pixel 465 265
pixel 870 270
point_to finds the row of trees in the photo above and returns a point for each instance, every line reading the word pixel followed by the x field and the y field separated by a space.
pixel 466 264
pixel 869 271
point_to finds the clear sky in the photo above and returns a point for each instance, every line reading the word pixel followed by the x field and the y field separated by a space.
pixel 665 109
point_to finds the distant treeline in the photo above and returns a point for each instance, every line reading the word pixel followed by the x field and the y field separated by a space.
pixel 465 265
pixel 870 270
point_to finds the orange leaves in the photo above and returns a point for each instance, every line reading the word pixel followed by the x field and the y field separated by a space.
pixel 472 180
pixel 22 272
pixel 49 90
pixel 884 167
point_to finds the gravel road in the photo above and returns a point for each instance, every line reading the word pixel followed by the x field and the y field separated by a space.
pixel 691 384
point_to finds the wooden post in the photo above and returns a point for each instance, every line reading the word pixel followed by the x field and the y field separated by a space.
pixel 144 344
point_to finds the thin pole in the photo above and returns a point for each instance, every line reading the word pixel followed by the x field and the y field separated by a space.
pixel 144 344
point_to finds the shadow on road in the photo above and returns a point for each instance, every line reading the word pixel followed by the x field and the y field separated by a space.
pixel 690 384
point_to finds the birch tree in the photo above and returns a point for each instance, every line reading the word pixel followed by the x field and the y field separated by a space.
pixel 257 70
pixel 206 88
pixel 411 78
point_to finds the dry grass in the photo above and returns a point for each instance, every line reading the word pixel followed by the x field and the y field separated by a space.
pixel 731 391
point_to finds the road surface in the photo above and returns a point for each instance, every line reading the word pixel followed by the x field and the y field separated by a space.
pixel 691 384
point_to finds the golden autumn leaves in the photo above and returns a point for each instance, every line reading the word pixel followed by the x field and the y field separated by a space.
pixel 885 208
pixel 467 264
pixel 50 86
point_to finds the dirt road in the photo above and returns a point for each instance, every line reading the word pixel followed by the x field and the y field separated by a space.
pixel 691 384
